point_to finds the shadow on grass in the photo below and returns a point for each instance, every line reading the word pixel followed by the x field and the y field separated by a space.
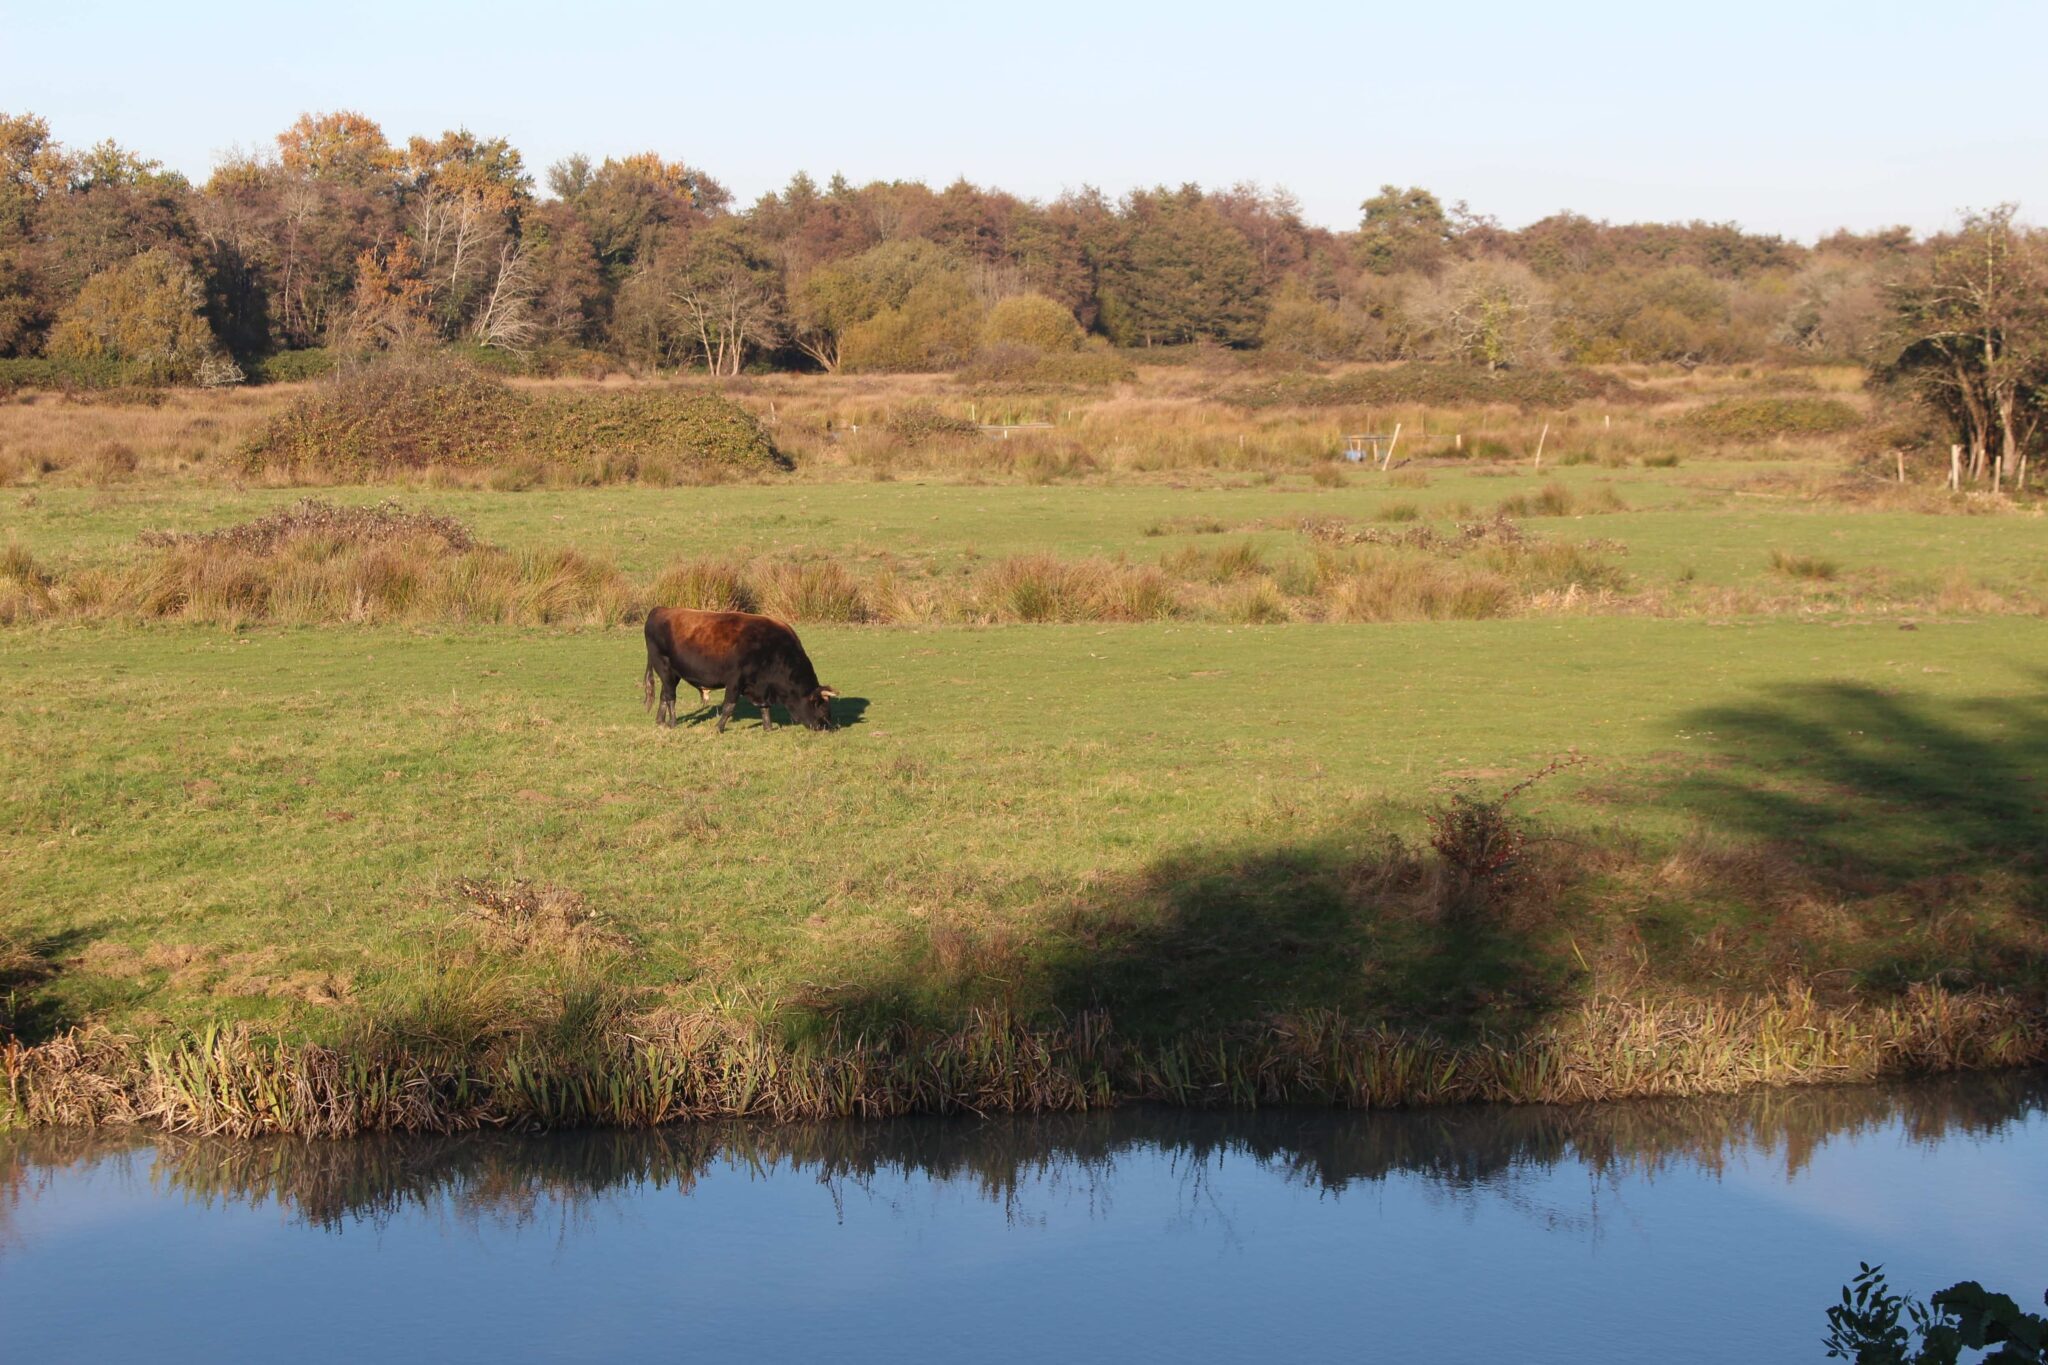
pixel 1851 841
pixel 27 1012
pixel 1234 936
pixel 1917 827
pixel 846 711
pixel 1873 784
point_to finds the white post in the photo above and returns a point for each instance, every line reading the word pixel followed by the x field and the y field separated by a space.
pixel 1955 468
pixel 1539 444
pixel 1392 441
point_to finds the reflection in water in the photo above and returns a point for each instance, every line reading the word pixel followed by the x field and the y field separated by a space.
pixel 505 1178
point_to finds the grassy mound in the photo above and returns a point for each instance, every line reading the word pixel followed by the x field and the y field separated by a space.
pixel 1446 385
pixel 415 413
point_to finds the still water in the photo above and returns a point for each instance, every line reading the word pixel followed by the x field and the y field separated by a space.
pixel 1702 1231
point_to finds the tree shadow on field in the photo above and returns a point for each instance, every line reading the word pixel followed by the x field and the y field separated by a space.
pixel 1847 838
pixel 1230 936
pixel 846 713
pixel 1926 818
pixel 28 1011
pixel 1877 787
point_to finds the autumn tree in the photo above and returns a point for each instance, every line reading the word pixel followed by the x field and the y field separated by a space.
pixel 388 308
pixel 1968 334
pixel 32 168
pixel 832 301
pixel 727 295
pixel 463 195
pixel 628 203
pixel 146 316
pixel 343 147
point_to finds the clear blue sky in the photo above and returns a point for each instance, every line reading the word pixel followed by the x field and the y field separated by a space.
pixel 1793 117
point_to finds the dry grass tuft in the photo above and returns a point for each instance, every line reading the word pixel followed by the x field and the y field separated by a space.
pixel 316 517
pixel 531 916
pixel 1812 568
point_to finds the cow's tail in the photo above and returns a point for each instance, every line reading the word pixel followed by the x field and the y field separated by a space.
pixel 647 687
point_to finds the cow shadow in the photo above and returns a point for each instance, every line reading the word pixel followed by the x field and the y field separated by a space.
pixel 846 713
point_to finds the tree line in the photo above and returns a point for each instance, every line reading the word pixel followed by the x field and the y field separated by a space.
pixel 337 237
pixel 341 237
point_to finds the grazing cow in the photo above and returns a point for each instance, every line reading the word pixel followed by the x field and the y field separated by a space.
pixel 756 657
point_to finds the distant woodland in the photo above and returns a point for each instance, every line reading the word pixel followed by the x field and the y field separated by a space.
pixel 335 241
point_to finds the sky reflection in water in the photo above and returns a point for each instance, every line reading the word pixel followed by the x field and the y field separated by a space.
pixel 1701 1231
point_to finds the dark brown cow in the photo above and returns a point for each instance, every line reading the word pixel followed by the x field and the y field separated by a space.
pixel 756 657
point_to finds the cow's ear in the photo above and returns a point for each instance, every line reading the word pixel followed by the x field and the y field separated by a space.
pixel 829 694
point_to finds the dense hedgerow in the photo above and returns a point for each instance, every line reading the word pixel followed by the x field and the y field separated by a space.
pixel 418 413
pixel 1442 385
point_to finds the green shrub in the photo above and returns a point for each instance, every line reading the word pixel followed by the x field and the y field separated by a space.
pixel 1761 419
pixel 69 373
pixel 293 367
pixel 1033 321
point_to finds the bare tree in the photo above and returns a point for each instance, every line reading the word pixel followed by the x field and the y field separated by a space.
pixel 731 312
pixel 506 318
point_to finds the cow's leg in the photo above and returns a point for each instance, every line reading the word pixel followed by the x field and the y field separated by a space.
pixel 665 712
pixel 767 715
pixel 732 699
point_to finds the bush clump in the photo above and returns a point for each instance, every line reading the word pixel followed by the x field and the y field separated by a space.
pixel 401 413
pixel 419 412
pixel 916 423
pixel 1761 419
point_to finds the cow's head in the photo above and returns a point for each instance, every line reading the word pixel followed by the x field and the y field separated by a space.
pixel 813 710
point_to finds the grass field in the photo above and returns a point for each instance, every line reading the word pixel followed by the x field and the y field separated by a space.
pixel 1810 732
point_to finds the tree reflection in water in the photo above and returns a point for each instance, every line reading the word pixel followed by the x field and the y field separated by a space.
pixel 511 1179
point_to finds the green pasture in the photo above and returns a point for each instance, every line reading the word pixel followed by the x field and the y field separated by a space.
pixel 1157 818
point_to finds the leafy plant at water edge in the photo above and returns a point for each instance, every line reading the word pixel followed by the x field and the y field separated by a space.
pixel 1874 1326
